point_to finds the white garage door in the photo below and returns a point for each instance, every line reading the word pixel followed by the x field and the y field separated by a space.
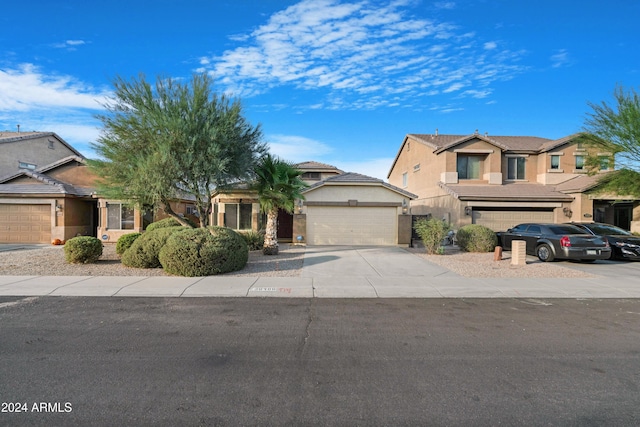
pixel 25 223
pixel 351 225
pixel 503 220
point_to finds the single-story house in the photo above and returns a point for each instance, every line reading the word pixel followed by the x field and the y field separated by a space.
pixel 339 209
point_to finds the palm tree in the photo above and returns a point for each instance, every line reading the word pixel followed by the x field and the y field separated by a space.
pixel 278 185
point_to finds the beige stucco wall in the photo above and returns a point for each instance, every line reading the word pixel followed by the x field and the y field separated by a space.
pixel 361 193
pixel 34 150
pixel 424 180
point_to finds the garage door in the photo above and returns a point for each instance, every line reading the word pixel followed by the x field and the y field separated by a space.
pixel 503 220
pixel 25 223
pixel 351 225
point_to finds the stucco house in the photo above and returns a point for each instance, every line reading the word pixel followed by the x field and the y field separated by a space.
pixel 31 150
pixel 339 209
pixel 59 200
pixel 500 181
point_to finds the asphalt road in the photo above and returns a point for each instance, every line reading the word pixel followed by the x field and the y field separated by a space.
pixel 387 362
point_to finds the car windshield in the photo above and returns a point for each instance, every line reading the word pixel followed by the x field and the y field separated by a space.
pixel 606 229
pixel 566 229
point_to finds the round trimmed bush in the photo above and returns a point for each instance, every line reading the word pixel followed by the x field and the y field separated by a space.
pixel 204 252
pixel 476 238
pixel 144 251
pixel 125 241
pixel 83 250
pixel 168 222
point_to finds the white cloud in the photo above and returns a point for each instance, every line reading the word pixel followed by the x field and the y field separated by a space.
pixel 357 50
pixel 490 45
pixel 295 148
pixel 26 88
pixel 560 58
pixel 445 5
pixel 377 168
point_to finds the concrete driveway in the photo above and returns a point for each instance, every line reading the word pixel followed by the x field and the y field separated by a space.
pixel 365 261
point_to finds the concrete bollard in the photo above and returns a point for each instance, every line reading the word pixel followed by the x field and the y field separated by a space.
pixel 518 252
pixel 497 253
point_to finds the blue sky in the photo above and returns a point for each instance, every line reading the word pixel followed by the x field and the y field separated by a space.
pixel 340 82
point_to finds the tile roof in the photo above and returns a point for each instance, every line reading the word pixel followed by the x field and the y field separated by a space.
pixel 316 166
pixel 356 178
pixel 6 137
pixel 505 192
pixel 509 143
pixel 578 184
pixel 47 188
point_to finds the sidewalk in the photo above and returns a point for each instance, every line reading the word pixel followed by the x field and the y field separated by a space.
pixel 317 287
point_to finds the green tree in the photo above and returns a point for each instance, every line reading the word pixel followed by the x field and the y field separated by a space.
pixel 162 142
pixel 615 130
pixel 278 185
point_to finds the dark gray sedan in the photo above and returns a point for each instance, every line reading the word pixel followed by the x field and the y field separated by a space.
pixel 557 241
pixel 624 245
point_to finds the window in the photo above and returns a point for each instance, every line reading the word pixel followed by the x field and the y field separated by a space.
pixel 311 176
pixel 191 210
pixel 604 163
pixel 237 216
pixel 51 146
pixel 25 165
pixel 119 217
pixel 416 168
pixel 469 166
pixel 555 162
pixel 515 168
pixel 405 180
pixel 579 163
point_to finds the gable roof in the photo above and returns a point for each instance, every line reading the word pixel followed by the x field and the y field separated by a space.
pixel 579 184
pixel 316 167
pixel 49 185
pixel 6 137
pixel 43 169
pixel 506 192
pixel 439 143
pixel 348 178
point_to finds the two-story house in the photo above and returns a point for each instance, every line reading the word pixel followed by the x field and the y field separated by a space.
pixel 500 181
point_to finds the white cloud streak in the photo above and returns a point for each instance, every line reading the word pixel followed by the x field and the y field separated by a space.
pixel 361 52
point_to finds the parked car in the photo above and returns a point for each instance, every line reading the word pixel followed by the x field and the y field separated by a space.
pixel 624 245
pixel 561 241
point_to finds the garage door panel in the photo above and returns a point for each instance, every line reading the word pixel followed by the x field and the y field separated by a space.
pixel 503 220
pixel 351 225
pixel 20 223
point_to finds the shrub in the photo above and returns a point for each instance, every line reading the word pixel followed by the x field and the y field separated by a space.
pixel 144 251
pixel 432 232
pixel 125 241
pixel 83 250
pixel 477 238
pixel 204 252
pixel 253 239
pixel 169 222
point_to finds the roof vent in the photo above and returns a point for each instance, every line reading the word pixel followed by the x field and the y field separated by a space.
pixel 436 131
pixel 476 132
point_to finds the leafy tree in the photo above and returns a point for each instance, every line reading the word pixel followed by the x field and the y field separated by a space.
pixel 278 185
pixel 162 142
pixel 615 130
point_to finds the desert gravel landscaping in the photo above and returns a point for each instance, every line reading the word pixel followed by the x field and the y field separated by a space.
pixel 50 261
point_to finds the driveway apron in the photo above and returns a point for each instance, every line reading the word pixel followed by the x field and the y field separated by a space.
pixel 367 261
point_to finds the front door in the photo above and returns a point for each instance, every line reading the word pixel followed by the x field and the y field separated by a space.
pixel 285 225
pixel 622 215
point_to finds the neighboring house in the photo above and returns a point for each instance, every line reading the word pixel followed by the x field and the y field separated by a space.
pixel 59 201
pixel 500 181
pixel 339 209
pixel 31 150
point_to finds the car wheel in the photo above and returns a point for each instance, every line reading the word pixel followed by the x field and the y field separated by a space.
pixel 544 252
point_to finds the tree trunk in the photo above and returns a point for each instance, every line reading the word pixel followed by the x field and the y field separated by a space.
pixel 271 233
pixel 166 206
